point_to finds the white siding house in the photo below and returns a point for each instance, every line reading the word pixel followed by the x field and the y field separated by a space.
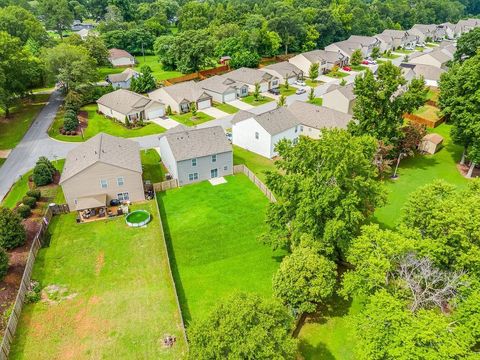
pixel 261 133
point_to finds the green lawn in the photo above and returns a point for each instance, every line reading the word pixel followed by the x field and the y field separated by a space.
pixel 188 120
pixel 380 61
pixel 420 49
pixel 287 92
pixel 391 56
pixel 212 233
pixel 122 299
pixel 152 166
pixel 329 333
pixel 229 109
pixel 432 94
pixel 98 123
pixel 418 171
pixel 251 100
pixel 317 101
pixel 428 112
pixel 313 83
pixel 19 189
pixel 358 67
pixel 403 51
pixel 337 74
pixel 150 60
pixel 258 164
pixel 21 117
pixel 2 161
pixel 432 45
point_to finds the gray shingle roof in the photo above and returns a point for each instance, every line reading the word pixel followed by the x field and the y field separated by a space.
pixel 319 55
pixel 428 72
pixel 347 46
pixel 346 90
pixel 187 143
pixel 118 53
pixel 249 76
pixel 219 84
pixel 284 68
pixel 102 148
pixel 274 121
pixel 319 117
pixel 364 40
pixel 123 76
pixel 396 34
pixel 188 90
pixel 125 101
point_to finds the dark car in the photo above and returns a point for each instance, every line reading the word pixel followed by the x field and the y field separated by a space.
pixel 274 91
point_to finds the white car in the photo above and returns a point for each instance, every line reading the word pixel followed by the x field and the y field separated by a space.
pixel 300 91
pixel 300 83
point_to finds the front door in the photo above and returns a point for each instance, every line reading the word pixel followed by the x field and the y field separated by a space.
pixel 214 173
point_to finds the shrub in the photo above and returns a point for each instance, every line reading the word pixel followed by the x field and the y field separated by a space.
pixel 33 294
pixel 35 193
pixel 73 101
pixel 12 232
pixel 169 110
pixel 42 175
pixel 3 263
pixel 70 123
pixel 44 160
pixel 24 211
pixel 29 201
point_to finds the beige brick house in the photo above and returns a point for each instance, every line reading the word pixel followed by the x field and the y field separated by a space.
pixel 101 169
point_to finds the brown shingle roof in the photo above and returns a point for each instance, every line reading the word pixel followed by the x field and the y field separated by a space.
pixel 125 101
pixel 319 117
pixel 434 138
pixel 274 121
pixel 102 148
pixel 118 53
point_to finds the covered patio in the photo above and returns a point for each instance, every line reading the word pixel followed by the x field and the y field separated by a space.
pixel 92 208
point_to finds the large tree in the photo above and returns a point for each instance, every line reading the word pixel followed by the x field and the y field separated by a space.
pixel 19 71
pixel 243 327
pixel 56 14
pixel 304 279
pixel 468 44
pixel 460 102
pixel 326 188
pixel 12 232
pixel 70 65
pixel 381 102
pixel 22 24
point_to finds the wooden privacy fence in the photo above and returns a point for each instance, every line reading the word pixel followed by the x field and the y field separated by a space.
pixel 165 185
pixel 200 75
pixel 24 285
pixel 423 121
pixel 245 170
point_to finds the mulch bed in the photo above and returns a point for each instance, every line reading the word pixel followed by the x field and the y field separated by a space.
pixel 464 170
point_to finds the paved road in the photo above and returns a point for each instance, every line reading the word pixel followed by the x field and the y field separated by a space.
pixel 36 141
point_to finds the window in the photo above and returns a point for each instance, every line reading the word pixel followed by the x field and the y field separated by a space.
pixel 225 168
pixel 214 158
pixel 75 201
pixel 296 128
pixel 244 91
pixel 301 127
pixel 103 184
pixel 123 196
pixel 193 176
pixel 120 181
pixel 194 162
pixel 257 135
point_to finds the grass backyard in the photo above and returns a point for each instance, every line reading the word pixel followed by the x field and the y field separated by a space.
pixel 258 164
pixel 313 83
pixel 98 123
pixel 229 109
pixel 21 117
pixel 188 120
pixel 213 242
pixel 119 300
pixel 151 60
pixel 428 112
pixel 251 100
pixel 152 166
pixel 19 189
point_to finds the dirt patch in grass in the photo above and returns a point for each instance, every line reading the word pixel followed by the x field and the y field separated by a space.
pixel 99 263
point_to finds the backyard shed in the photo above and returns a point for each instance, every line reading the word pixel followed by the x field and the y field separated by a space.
pixel 431 143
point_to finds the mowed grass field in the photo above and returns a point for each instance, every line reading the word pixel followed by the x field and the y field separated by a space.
pixel 122 298
pixel 13 128
pixel 212 233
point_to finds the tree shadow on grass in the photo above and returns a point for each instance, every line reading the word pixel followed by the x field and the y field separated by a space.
pixel 314 352
pixel 187 316
pixel 337 306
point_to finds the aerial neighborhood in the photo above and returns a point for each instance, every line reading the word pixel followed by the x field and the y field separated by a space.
pixel 227 179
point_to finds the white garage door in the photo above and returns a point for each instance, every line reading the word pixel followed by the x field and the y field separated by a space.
pixel 229 97
pixel 263 87
pixel 204 104
pixel 152 114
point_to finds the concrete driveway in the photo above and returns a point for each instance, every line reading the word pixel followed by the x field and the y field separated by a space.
pixel 166 123
pixel 213 111
pixel 240 105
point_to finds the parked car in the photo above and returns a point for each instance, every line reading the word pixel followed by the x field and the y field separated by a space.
pixel 408 48
pixel 300 91
pixel 229 136
pixel 365 62
pixel 300 83
pixel 347 68
pixel 371 62
pixel 274 91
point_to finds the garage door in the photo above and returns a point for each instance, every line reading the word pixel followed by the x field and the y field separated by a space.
pixel 152 114
pixel 263 87
pixel 204 104
pixel 229 97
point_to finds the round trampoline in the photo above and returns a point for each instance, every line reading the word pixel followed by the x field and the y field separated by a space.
pixel 138 218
